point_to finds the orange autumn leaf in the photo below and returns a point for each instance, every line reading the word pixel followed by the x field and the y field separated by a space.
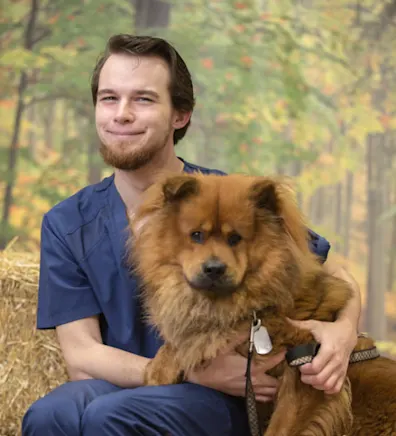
pixel 385 119
pixel 243 148
pixel 221 119
pixel 207 63
pixel 54 19
pixel 7 104
pixel 265 16
pixel 239 28
pixel 247 60
pixel 328 89
pixel 240 5
pixel 280 104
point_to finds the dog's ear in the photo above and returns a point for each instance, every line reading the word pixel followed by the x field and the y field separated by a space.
pixel 277 195
pixel 264 196
pixel 179 187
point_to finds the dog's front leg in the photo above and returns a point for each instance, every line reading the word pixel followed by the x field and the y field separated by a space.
pixel 164 368
pixel 284 418
pixel 301 410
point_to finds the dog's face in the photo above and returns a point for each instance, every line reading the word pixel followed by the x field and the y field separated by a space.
pixel 216 228
pixel 217 239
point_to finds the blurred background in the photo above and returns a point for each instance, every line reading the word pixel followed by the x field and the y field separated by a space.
pixel 305 88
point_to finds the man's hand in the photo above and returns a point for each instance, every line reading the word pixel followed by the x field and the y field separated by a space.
pixel 328 369
pixel 226 373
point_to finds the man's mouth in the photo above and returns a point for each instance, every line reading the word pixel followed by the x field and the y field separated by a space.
pixel 112 132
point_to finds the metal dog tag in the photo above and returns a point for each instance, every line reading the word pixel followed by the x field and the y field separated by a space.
pixel 262 341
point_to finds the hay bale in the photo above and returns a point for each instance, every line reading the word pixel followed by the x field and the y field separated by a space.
pixel 30 361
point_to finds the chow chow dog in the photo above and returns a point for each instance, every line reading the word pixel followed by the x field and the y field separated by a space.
pixel 215 252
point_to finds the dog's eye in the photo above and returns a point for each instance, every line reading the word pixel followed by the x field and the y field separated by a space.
pixel 198 237
pixel 234 239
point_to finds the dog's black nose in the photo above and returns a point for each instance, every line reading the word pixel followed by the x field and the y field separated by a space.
pixel 214 268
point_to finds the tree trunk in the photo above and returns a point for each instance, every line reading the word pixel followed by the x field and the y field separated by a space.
pixel 65 127
pixel 392 257
pixel 295 171
pixel 13 151
pixel 337 215
pixel 151 13
pixel 32 137
pixel 49 122
pixel 375 308
pixel 347 213
pixel 95 164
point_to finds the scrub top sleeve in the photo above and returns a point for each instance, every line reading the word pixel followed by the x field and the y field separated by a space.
pixel 319 245
pixel 64 293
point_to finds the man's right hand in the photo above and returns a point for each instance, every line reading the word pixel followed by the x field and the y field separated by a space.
pixel 226 373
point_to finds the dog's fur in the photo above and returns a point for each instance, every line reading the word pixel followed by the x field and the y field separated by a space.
pixel 253 229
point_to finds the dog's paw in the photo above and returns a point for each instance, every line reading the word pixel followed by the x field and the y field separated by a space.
pixel 156 375
pixel 151 376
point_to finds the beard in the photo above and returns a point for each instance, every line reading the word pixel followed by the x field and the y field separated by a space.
pixel 120 158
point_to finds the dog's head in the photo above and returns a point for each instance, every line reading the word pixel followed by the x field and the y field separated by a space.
pixel 226 241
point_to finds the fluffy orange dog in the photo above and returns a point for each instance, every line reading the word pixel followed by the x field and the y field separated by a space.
pixel 213 251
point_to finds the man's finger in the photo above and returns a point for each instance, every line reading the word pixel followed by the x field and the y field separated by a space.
pixel 309 324
pixel 265 381
pixel 265 391
pixel 264 364
pixel 320 361
pixel 337 387
pixel 264 399
pixel 328 384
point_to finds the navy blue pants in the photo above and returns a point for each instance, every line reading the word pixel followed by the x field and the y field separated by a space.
pixel 96 407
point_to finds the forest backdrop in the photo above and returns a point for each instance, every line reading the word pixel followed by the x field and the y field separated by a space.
pixel 304 88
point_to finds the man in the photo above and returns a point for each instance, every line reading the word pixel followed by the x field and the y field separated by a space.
pixel 143 97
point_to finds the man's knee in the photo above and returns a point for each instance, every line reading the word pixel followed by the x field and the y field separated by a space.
pixel 177 410
pixel 50 416
pixel 123 413
pixel 101 417
pixel 59 413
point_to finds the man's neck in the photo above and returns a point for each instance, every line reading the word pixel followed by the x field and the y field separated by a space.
pixel 132 184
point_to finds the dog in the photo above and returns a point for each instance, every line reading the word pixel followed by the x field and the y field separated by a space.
pixel 216 252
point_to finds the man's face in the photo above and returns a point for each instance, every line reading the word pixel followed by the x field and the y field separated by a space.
pixel 134 115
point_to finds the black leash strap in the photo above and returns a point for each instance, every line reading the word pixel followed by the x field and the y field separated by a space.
pixel 301 354
pixel 251 406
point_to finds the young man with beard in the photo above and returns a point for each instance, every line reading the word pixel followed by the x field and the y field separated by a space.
pixel 143 98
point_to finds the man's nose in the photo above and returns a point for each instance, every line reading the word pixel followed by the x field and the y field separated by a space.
pixel 124 113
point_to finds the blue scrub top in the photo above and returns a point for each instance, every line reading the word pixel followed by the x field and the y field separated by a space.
pixel 83 270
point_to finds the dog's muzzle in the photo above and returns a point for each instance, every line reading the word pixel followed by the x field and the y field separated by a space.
pixel 213 277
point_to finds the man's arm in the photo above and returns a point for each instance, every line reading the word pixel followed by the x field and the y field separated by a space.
pixel 351 312
pixel 328 370
pixel 87 357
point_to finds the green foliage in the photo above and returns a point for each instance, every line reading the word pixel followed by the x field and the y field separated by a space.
pixel 274 86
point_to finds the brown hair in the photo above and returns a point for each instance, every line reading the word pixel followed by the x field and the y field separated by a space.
pixel 180 87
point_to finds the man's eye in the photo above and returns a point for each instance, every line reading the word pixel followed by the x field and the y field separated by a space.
pixel 198 237
pixel 108 98
pixel 145 99
pixel 234 239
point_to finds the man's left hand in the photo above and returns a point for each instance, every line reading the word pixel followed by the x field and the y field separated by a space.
pixel 328 369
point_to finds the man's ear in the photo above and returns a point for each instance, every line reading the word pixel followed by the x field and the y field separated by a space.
pixel 264 196
pixel 180 119
pixel 178 187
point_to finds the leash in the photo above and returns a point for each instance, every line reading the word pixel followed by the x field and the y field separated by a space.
pixel 302 354
pixel 251 407
pixel 260 342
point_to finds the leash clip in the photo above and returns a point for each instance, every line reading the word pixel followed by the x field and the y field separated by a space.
pixel 254 327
